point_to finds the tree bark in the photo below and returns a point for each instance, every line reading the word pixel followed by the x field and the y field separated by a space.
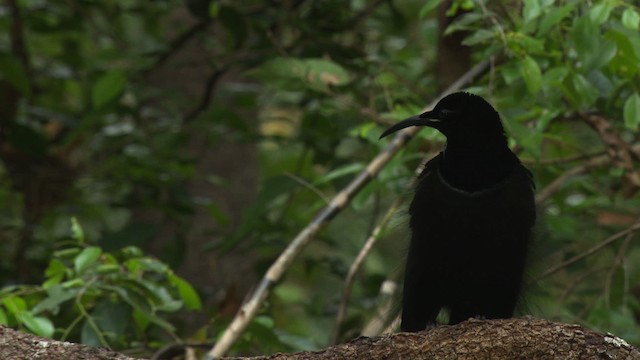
pixel 519 338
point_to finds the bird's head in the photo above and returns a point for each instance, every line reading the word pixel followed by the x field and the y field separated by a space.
pixel 460 115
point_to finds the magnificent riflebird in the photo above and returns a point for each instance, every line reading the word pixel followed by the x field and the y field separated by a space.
pixel 471 219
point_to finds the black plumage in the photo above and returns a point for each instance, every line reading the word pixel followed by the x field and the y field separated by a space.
pixel 471 219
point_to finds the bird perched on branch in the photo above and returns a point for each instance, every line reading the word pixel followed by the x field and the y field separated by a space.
pixel 471 219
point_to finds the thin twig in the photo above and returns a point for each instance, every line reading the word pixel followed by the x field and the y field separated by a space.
pixel 177 44
pixel 248 311
pixel 589 252
pixel 619 260
pixel 308 185
pixel 207 96
pixel 575 282
pixel 384 311
pixel 557 183
pixel 357 264
pixel 594 162
pixel 562 160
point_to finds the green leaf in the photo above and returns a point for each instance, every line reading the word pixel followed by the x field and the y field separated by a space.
pixel 139 304
pixel 14 304
pixel 631 19
pixel 3 318
pixel 89 335
pixel 532 10
pixel 77 233
pixel 340 172
pixel 592 50
pixel 56 295
pixel 600 13
pixel 555 75
pixel 531 74
pixel 521 43
pixel 510 72
pixel 107 88
pixel 427 7
pixel 553 17
pixel 73 283
pixel 37 324
pixel 55 268
pixel 605 52
pixel 625 62
pixel 214 9
pixel 217 214
pixel 187 292
pixel 632 112
pixel 463 22
pixel 478 36
pixel 111 318
pixel 86 258
pixel 585 91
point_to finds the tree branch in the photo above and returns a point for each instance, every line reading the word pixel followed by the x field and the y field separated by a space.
pixel 635 227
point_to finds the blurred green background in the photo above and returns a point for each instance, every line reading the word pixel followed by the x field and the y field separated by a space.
pixel 157 156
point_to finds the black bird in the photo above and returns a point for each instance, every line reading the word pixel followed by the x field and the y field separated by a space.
pixel 471 219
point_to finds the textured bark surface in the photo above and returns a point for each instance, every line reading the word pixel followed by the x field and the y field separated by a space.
pixel 521 338
pixel 15 345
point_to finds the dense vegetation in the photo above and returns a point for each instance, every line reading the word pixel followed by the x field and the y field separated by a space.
pixel 157 156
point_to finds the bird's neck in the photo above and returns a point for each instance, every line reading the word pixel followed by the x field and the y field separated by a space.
pixel 472 166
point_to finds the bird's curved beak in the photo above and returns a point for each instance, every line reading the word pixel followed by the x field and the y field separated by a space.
pixel 428 118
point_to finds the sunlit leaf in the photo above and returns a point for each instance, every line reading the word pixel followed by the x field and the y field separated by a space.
pixel 14 304
pixel 531 74
pixel 77 233
pixel 107 88
pixel 554 16
pixel 478 36
pixel 531 10
pixel 340 172
pixel 631 19
pixel 39 325
pixel 187 292
pixel 632 112
pixel 86 258
pixel 600 13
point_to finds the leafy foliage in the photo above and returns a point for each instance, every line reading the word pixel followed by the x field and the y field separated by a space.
pixel 91 296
